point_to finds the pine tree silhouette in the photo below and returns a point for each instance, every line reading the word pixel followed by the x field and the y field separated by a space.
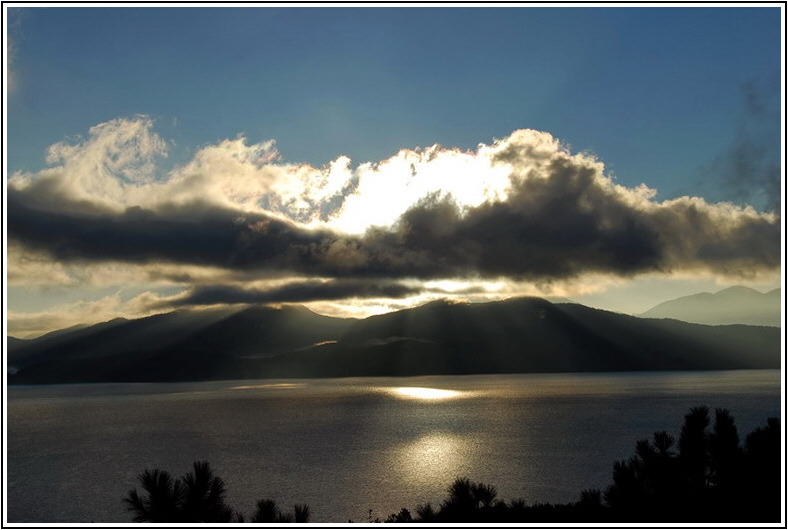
pixel 197 497
pixel 163 500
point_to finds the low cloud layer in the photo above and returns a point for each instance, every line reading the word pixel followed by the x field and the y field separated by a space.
pixel 522 208
pixel 296 292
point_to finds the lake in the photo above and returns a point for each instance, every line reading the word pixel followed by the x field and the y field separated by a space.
pixel 347 446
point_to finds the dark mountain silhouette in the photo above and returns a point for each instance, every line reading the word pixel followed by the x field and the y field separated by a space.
pixel 13 343
pixel 527 335
pixel 735 305
pixel 178 345
pixel 116 337
pixel 65 331
pixel 518 335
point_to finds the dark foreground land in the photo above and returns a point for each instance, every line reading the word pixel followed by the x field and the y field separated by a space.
pixel 707 476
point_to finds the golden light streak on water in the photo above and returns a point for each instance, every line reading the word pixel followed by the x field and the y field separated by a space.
pixel 272 385
pixel 422 393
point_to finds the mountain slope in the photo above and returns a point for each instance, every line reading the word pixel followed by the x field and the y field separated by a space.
pixel 152 347
pixel 735 305
pixel 526 335
pixel 519 335
pixel 13 343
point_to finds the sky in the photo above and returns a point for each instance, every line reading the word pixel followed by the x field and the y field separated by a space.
pixel 365 159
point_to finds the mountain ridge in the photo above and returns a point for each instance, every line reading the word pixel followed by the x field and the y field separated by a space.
pixel 515 335
pixel 733 305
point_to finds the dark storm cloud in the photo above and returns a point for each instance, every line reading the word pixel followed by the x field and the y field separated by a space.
pixel 548 228
pixel 701 238
pixel 568 224
pixel 308 291
pixel 559 220
pixel 195 233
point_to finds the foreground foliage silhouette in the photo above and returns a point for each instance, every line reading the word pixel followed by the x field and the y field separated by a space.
pixel 708 477
pixel 197 497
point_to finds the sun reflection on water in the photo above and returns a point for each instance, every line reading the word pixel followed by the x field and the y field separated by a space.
pixel 433 458
pixel 269 385
pixel 423 393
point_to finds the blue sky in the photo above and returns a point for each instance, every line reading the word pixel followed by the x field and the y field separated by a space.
pixel 679 99
pixel 655 92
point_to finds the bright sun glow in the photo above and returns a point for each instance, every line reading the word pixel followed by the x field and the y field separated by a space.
pixel 387 189
pixel 414 392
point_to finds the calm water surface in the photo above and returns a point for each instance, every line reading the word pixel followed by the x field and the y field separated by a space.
pixel 345 446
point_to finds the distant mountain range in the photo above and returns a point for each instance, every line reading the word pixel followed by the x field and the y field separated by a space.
pixel 517 335
pixel 735 305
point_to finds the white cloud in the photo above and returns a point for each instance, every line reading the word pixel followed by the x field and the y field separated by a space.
pixel 28 267
pixel 228 173
pixel 112 168
pixel 115 167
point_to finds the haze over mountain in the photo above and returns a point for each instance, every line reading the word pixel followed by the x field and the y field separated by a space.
pixel 517 335
pixel 735 305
